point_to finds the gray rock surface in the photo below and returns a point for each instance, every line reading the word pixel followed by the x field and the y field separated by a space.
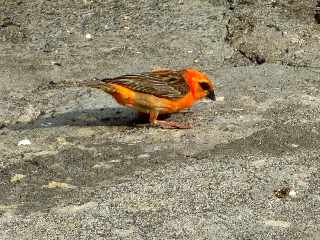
pixel 248 169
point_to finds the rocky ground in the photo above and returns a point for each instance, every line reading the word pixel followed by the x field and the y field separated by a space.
pixel 75 165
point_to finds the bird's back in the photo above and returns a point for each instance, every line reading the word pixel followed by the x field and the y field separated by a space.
pixel 165 83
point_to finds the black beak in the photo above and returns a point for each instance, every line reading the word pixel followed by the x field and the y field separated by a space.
pixel 211 95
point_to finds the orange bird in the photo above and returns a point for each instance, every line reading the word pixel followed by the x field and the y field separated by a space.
pixel 158 92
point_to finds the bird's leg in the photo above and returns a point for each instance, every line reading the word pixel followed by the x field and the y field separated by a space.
pixel 153 117
pixel 166 124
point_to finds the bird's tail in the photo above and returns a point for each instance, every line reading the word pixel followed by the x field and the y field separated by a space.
pixel 92 83
pixel 97 83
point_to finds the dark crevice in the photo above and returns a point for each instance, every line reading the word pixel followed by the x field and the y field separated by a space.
pixel 228 36
pixel 317 12
pixel 231 4
pixel 253 57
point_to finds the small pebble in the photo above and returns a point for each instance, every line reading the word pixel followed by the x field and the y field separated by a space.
pixel 282 192
pixel 144 155
pixel 54 184
pixel 88 36
pixel 24 142
pixel 115 161
pixel 56 64
pixel 102 165
pixel 292 193
pixel 17 178
pixel 277 223
pixel 29 114
pixel 46 124
pixel 219 99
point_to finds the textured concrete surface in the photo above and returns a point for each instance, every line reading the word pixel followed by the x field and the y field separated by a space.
pixel 75 165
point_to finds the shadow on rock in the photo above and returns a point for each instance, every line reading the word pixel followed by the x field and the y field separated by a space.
pixel 86 117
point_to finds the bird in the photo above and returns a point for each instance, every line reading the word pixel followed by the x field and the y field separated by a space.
pixel 163 91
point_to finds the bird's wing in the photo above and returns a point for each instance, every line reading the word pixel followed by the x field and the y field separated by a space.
pixel 164 83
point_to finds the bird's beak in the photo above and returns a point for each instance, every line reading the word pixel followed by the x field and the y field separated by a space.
pixel 211 95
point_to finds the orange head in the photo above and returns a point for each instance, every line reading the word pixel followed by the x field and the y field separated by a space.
pixel 199 84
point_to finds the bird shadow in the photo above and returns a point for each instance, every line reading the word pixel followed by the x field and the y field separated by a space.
pixel 87 117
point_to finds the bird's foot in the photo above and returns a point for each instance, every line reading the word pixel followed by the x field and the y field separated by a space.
pixel 172 125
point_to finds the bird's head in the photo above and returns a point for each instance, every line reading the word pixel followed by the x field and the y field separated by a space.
pixel 199 84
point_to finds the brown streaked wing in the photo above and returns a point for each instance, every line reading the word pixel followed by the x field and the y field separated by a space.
pixel 164 83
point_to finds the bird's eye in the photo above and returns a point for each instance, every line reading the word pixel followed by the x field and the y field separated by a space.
pixel 205 86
